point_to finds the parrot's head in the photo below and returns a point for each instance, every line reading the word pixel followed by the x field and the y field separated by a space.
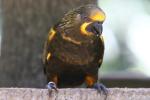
pixel 81 23
pixel 92 19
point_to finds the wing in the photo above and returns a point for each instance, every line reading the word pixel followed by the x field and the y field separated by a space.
pixel 99 51
pixel 47 51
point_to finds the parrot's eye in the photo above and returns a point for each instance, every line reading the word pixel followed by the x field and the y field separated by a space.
pixel 86 18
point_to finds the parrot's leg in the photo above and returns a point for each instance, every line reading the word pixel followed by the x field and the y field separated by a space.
pixel 101 88
pixel 91 82
pixel 52 84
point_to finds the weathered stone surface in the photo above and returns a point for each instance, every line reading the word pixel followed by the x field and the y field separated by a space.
pixel 74 94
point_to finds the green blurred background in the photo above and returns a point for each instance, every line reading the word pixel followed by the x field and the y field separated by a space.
pixel 24 25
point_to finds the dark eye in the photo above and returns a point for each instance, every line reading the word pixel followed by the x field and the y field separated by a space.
pixel 85 18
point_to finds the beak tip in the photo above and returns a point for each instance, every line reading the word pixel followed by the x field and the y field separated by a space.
pixel 97 27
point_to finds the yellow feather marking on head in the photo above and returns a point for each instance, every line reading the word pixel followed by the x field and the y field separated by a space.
pixel 98 16
pixel 83 28
pixel 71 40
pixel 51 34
pixel 48 56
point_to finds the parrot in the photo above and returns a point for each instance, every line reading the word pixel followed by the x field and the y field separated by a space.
pixel 74 49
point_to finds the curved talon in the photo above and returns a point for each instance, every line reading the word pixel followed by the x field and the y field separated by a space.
pixel 51 85
pixel 101 88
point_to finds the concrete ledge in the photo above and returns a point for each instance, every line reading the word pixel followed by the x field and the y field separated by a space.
pixel 74 94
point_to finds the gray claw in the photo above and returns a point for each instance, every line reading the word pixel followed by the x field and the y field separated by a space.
pixel 51 85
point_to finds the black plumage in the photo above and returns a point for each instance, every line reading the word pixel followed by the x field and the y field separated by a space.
pixel 74 49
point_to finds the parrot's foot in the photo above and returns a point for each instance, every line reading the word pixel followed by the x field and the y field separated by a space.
pixel 101 88
pixel 50 86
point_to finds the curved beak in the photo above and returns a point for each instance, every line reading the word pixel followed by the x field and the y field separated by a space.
pixel 96 28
